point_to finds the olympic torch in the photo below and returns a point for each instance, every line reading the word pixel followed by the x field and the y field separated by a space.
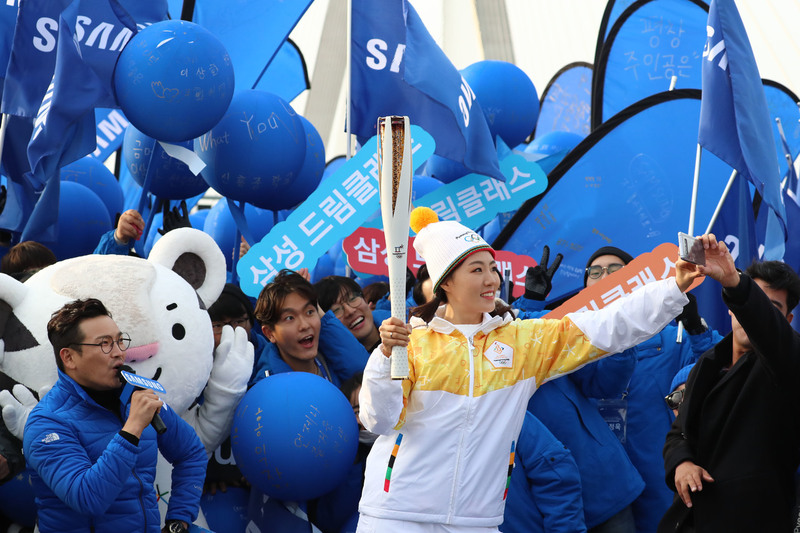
pixel 394 166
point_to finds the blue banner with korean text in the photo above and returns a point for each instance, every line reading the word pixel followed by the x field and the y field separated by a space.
pixel 566 101
pixel 648 44
pixel 628 184
pixel 334 210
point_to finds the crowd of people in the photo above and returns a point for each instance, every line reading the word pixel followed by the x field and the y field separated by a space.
pixel 601 421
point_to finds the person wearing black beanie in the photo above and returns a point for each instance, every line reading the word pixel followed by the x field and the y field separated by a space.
pixel 603 262
pixel 657 360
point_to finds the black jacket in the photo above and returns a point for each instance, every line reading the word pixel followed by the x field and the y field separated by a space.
pixel 742 425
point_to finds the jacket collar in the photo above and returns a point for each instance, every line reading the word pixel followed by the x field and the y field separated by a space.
pixel 441 325
pixel 72 387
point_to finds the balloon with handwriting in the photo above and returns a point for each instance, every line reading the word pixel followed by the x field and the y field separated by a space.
pixel 294 436
pixel 256 152
pixel 170 178
pixel 174 80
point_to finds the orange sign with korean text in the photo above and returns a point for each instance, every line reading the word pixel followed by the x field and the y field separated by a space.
pixel 647 268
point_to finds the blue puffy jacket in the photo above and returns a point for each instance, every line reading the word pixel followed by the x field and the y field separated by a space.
pixel 343 353
pixel 649 418
pixel 90 479
pixel 108 245
pixel 609 480
pixel 545 490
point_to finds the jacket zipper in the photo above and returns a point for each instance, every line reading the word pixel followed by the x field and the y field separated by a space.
pixel 141 501
pixel 470 342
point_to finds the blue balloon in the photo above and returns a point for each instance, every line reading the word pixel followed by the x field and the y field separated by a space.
pixel 311 171
pixel 82 220
pixel 220 225
pixel 553 142
pixel 226 512
pixel 332 166
pixel 174 80
pixel 91 173
pixel 507 96
pixel 255 153
pixel 17 499
pixel 171 178
pixel 444 170
pixel 294 436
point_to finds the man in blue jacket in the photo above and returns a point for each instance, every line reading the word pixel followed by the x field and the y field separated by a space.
pixel 95 458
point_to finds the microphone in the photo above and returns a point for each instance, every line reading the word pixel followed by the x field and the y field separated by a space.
pixel 132 382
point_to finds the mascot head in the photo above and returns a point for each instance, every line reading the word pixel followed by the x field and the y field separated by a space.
pixel 160 302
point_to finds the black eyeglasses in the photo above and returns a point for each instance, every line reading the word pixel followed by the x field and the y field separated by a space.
pixel 675 399
pixel 595 271
pixel 354 301
pixel 235 323
pixel 106 344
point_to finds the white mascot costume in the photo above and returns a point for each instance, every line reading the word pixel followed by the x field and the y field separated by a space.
pixel 161 303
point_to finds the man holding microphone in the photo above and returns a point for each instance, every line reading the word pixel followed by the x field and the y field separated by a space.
pixel 94 457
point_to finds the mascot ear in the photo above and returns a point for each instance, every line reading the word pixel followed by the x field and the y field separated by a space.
pixel 195 257
pixel 14 333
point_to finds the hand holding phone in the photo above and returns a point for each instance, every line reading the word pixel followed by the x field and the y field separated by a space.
pixel 691 249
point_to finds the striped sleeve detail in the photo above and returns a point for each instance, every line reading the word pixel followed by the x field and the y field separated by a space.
pixel 396 448
pixel 510 468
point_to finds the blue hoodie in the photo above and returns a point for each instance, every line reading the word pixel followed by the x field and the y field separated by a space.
pixel 609 480
pixel 343 353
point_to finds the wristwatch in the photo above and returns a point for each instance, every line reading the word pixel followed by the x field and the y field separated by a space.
pixel 176 526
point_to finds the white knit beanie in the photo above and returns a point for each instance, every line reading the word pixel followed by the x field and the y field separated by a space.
pixel 445 245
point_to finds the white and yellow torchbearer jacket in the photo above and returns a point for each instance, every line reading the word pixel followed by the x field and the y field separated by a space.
pixel 448 433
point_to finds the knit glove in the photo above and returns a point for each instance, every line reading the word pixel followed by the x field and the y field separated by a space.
pixel 538 279
pixel 177 217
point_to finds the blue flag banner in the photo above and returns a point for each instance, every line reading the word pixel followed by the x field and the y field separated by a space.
pixel 627 184
pixel 64 128
pixel 110 126
pixel 566 101
pixel 791 186
pixel 14 166
pixel 287 75
pixel 782 104
pixel 340 204
pixel 251 30
pixel 736 227
pixel 398 69
pixel 791 254
pixel 734 118
pixel 649 43
pixel 103 32
pixel 8 19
